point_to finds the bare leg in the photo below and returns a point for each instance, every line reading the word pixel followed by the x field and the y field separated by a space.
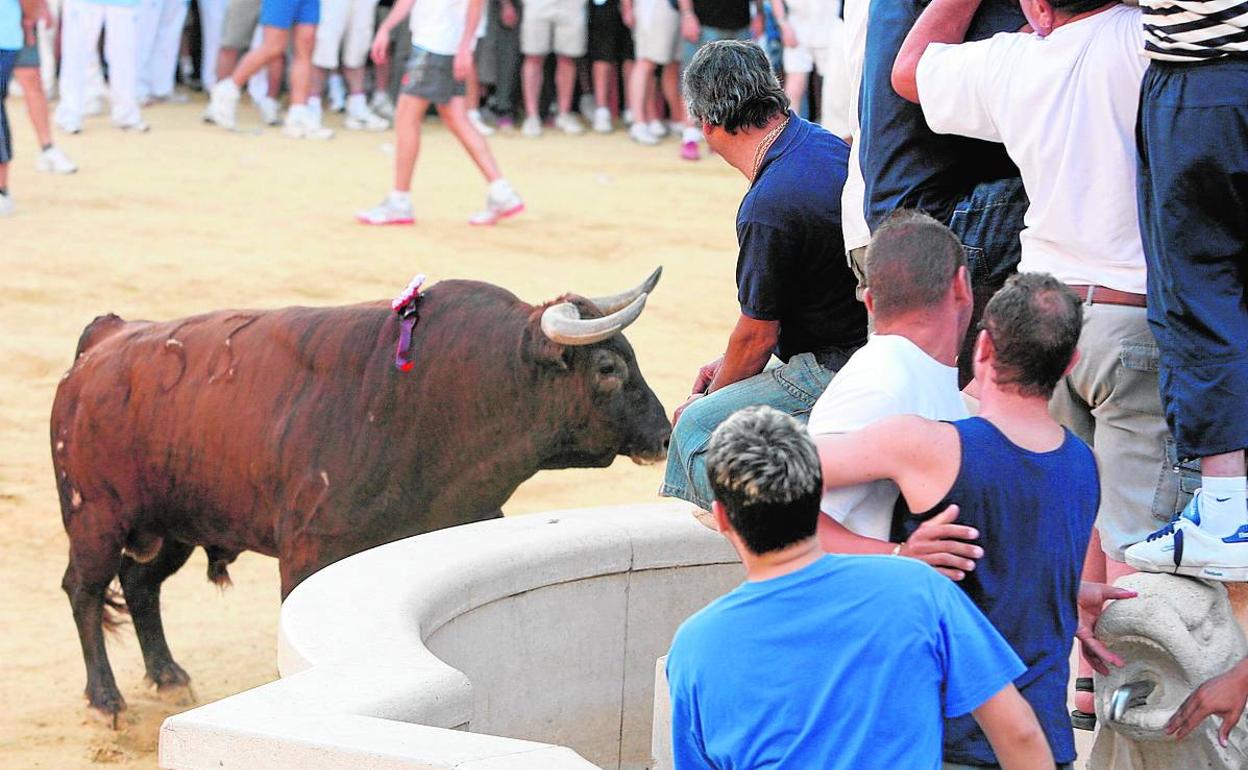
pixel 638 85
pixel 408 115
pixel 473 88
pixel 604 80
pixel 355 79
pixel 301 67
pixel 4 176
pixel 1230 464
pixel 620 101
pixel 316 81
pixel 565 82
pixel 671 92
pixel 274 74
pixel 36 103
pixel 455 115
pixel 795 87
pixel 227 60
pixel 531 81
pixel 273 46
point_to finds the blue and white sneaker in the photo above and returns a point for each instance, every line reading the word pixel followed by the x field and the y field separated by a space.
pixel 1183 548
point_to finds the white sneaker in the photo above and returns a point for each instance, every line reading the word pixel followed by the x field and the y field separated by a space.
pixel 388 212
pixel 381 105
pixel 640 134
pixel 270 111
pixel 658 129
pixel 569 124
pixel 626 116
pixel 532 127
pixel 67 126
pixel 366 120
pixel 587 106
pixel 483 128
pixel 93 106
pixel 602 121
pixel 222 104
pixel 53 161
pixel 6 205
pixel 500 202
pixel 300 124
pixel 136 126
pixel 1182 547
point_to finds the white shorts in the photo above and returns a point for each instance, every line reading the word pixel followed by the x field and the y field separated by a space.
pixel 559 26
pixel 346 26
pixel 803 59
pixel 656 33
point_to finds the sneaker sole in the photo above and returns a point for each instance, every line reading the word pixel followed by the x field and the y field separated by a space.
pixel 1220 574
pixel 511 212
pixel 387 223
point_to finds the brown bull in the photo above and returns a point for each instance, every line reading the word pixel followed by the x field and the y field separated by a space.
pixel 292 433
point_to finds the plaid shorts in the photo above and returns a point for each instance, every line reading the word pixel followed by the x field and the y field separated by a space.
pixel 430 76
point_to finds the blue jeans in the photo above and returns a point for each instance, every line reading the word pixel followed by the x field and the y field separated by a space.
pixel 710 34
pixel 792 388
pixel 7 60
pixel 988 222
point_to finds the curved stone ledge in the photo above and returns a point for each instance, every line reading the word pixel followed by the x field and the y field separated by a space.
pixel 515 643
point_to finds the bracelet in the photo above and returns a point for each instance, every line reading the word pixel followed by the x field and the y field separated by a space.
pixel 897 549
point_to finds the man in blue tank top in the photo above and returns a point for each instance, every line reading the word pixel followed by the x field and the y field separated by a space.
pixel 1029 486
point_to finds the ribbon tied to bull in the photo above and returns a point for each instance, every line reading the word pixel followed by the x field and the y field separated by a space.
pixel 405 306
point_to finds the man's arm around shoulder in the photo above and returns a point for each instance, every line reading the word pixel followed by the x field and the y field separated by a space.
pixel 944 21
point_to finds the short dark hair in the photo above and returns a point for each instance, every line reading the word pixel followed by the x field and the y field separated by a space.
pixel 910 263
pixel 764 469
pixel 1034 323
pixel 730 84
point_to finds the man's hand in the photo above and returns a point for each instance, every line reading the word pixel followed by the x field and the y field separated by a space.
pixel 1224 695
pixel 756 26
pixel 940 543
pixel 1092 599
pixel 381 44
pixel 787 35
pixel 681 409
pixel 462 66
pixel 510 17
pixel 690 29
pixel 706 374
pixel 626 13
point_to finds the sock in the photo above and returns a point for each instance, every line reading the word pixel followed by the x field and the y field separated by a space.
pixel 228 88
pixel 690 134
pixel 314 103
pixel 1222 504
pixel 500 188
pixel 297 112
pixel 403 197
pixel 356 104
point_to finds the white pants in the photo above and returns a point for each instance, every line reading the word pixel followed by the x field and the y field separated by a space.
pixel 211 24
pixel 258 85
pixel 160 39
pixel 346 26
pixel 81 24
pixel 834 67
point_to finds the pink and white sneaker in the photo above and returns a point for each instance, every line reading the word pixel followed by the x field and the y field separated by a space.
pixel 689 151
pixel 500 203
pixel 391 211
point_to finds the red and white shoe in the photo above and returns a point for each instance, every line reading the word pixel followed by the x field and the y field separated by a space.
pixel 389 212
pixel 501 202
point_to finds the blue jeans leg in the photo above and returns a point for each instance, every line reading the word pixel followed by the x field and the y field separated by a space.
pixel 792 388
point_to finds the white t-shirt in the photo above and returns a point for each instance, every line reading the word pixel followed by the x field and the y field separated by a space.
pixel 1065 108
pixel 853 220
pixel 888 376
pixel 438 25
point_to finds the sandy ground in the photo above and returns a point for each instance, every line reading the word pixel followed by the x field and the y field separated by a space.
pixel 190 218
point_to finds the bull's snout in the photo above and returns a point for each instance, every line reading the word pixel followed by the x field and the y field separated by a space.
pixel 656 451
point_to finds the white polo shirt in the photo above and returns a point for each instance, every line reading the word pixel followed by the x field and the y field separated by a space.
pixel 888 376
pixel 1065 107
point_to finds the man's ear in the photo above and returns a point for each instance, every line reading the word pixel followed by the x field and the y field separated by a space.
pixel 962 288
pixel 983 347
pixel 868 299
pixel 721 517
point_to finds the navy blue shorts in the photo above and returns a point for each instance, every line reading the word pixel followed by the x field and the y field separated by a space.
pixel 1193 195
pixel 7 60
pixel 285 14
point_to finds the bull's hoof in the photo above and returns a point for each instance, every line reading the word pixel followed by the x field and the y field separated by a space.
pixel 177 694
pixel 106 710
pixel 173 684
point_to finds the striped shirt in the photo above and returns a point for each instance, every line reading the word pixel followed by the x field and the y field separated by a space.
pixel 1194 30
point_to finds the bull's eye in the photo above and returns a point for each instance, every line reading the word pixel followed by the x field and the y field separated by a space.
pixel 607 370
pixel 610 371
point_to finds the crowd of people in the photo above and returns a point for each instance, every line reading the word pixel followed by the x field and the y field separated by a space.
pixel 484 65
pixel 1001 331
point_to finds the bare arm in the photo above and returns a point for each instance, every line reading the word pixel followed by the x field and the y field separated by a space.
pixel 30 16
pixel 463 64
pixel 944 21
pixel 882 450
pixel 1224 696
pixel 381 40
pixel 1011 727
pixel 749 348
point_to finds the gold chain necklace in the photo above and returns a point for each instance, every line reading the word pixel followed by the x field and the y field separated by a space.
pixel 761 151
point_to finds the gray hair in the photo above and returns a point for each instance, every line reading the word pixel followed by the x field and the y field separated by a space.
pixel 763 468
pixel 730 84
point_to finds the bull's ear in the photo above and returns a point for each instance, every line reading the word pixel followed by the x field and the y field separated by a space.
pixel 544 351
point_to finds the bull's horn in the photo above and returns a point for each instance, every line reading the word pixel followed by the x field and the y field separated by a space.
pixel 616 302
pixel 562 323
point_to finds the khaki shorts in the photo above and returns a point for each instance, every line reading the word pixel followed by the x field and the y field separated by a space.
pixel 346 26
pixel 558 26
pixel 656 33
pixel 1111 401
pixel 241 18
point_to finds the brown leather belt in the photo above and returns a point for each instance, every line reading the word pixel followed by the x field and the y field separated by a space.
pixel 1100 295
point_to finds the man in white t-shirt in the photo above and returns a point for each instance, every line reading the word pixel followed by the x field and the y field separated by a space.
pixel 919 296
pixel 1063 100
pixel 444 33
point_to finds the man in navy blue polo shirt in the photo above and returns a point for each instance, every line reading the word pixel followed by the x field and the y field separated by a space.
pixel 795 290
pixel 969 185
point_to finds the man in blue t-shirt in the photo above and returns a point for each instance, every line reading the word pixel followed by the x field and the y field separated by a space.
pixel 829 662
pixel 795 291
pixel 17 25
pixel 1028 486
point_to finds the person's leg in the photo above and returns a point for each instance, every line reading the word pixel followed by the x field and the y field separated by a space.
pixel 329 38
pixel 670 82
pixel 227 60
pixel 7 60
pixel 532 85
pixel 272 46
pixel 791 388
pixel 147 18
pixel 121 26
pixel 604 73
pixel 81 24
pixel 211 23
pixel 565 82
pixel 455 116
pixel 408 115
pixel 301 67
pixel 163 62
pixel 36 103
pixel 638 84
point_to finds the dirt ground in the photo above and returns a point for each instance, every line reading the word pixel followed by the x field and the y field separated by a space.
pixel 190 218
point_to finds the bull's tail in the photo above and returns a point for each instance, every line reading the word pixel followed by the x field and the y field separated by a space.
pixel 103 326
pixel 115 609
